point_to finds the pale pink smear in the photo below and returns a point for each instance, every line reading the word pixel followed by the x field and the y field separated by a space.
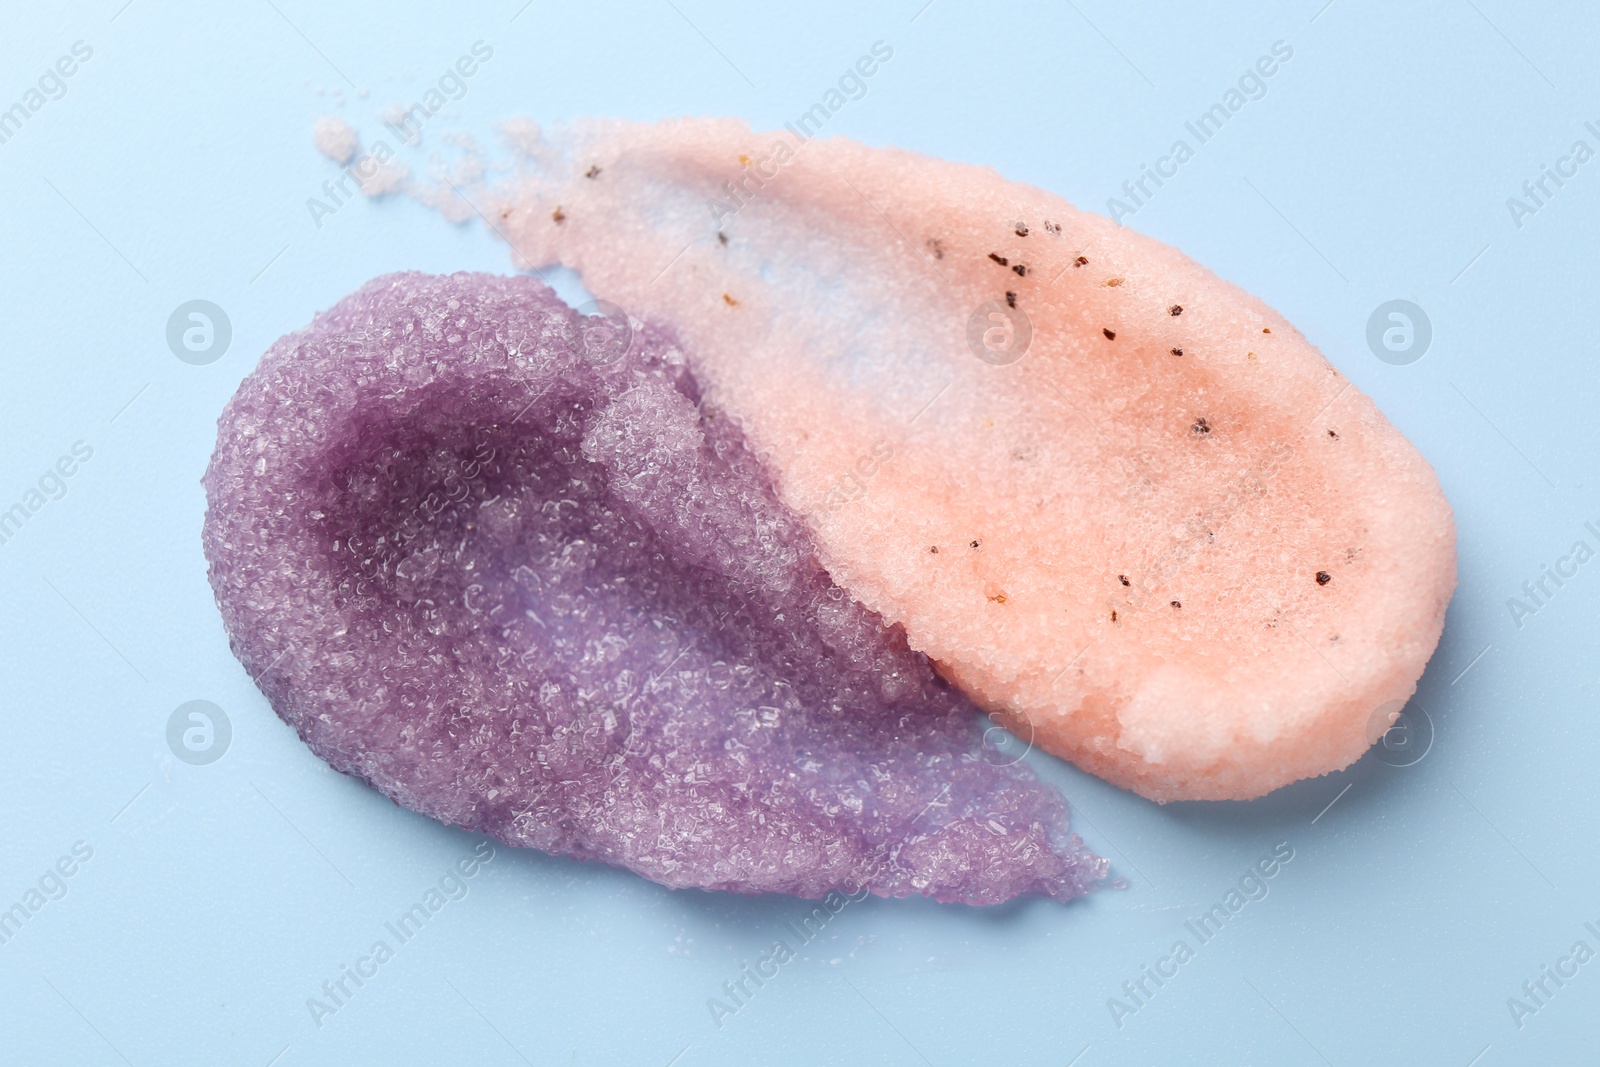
pixel 1199 576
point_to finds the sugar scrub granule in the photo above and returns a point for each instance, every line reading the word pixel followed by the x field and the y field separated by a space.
pixel 335 139
pixel 931 356
pixel 493 558
pixel 380 178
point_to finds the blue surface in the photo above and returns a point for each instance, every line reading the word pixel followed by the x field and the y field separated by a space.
pixel 219 897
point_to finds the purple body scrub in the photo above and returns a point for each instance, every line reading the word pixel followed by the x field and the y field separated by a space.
pixel 523 582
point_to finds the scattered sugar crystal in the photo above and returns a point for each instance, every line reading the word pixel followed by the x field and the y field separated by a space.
pixel 378 179
pixel 500 561
pixel 335 139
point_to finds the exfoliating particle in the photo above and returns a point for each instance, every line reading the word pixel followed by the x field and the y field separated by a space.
pixel 881 311
pixel 496 559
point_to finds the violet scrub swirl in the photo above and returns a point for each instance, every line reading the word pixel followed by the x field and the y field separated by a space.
pixel 523 581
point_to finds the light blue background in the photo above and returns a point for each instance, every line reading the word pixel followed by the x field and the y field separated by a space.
pixel 220 897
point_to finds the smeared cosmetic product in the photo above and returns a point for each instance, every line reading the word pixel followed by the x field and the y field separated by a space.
pixel 1130 508
pixel 510 566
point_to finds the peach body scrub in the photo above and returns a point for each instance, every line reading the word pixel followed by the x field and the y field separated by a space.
pixel 1114 498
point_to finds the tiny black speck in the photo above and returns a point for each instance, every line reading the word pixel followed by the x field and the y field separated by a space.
pixel 1177 351
pixel 1111 335
pixel 1176 604
pixel 1011 298
pixel 934 550
pixel 1113 615
pixel 1021 269
pixel 1323 577
pixel 722 238
pixel 1022 230
pixel 974 544
pixel 592 172
pixel 1176 309
pixel 1123 578
pixel 1002 260
pixel 1200 426
pixel 1080 262
pixel 1333 435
